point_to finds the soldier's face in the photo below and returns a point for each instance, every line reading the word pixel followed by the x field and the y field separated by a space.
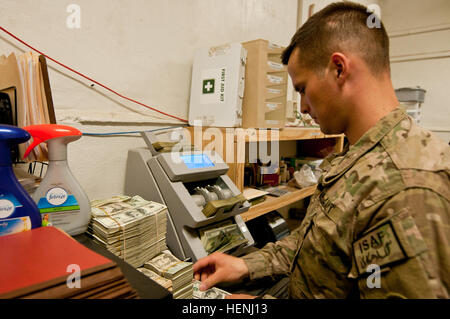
pixel 318 95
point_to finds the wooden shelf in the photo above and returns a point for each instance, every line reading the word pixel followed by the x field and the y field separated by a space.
pixel 284 134
pixel 230 143
pixel 273 203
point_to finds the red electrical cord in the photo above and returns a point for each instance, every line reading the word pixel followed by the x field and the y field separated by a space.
pixel 86 77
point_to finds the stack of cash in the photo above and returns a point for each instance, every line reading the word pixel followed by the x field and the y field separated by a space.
pixel 166 147
pixel 166 283
pixel 130 227
pixel 179 272
pixel 223 237
pixel 212 293
pixel 213 206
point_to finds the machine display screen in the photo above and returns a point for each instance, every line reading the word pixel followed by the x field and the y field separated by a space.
pixel 193 161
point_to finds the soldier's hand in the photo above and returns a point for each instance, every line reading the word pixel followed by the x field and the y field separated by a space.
pixel 219 267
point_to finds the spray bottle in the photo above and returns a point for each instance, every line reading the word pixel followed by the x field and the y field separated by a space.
pixel 60 199
pixel 18 212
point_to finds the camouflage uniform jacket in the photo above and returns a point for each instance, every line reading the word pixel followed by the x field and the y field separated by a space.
pixel 384 201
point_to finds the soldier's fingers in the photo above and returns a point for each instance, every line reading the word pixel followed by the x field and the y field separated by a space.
pixel 213 278
pixel 209 282
pixel 202 263
pixel 205 274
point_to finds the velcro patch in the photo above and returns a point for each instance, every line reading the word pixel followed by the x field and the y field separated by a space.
pixel 380 247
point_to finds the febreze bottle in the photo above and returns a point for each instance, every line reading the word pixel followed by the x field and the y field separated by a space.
pixel 60 199
pixel 18 212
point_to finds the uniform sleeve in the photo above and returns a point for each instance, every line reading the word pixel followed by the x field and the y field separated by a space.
pixel 406 253
pixel 274 258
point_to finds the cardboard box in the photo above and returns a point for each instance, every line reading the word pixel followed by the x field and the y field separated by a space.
pixel 265 95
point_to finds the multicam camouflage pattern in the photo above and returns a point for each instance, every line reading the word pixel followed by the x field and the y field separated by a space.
pixel 384 201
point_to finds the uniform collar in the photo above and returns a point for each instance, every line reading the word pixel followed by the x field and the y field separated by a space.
pixel 338 164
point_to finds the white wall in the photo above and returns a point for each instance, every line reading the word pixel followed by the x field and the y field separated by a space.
pixel 144 49
pixel 420 55
pixel 141 48
pixel 320 4
pixel 307 8
pixel 419 34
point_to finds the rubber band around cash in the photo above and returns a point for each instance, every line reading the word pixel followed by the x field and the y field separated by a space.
pixel 123 231
pixel 156 226
pixel 163 272
pixel 121 227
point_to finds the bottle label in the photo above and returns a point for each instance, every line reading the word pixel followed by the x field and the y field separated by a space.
pixel 8 204
pixel 14 225
pixel 58 207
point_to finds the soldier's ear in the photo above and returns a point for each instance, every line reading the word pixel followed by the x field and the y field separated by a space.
pixel 338 66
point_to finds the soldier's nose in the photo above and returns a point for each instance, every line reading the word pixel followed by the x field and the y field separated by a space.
pixel 304 108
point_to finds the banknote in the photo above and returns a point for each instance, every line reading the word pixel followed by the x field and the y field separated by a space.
pixel 166 283
pixel 113 199
pixel 212 293
pixel 130 227
pixel 116 205
pixel 223 238
pixel 179 272
pixel 212 207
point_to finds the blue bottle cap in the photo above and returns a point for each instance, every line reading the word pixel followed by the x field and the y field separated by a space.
pixel 10 136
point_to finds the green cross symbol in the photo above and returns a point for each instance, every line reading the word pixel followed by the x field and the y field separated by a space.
pixel 208 86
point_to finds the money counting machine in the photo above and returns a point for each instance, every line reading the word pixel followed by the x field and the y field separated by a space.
pixel 187 182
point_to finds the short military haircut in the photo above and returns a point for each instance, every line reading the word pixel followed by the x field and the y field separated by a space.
pixel 341 27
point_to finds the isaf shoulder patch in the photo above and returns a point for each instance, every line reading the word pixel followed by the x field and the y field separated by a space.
pixel 380 246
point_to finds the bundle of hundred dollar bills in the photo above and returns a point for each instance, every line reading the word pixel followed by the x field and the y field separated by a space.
pixel 211 293
pixel 166 283
pixel 179 272
pixel 212 207
pixel 223 237
pixel 130 227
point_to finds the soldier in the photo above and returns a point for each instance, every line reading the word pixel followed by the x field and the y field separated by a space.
pixel 378 225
